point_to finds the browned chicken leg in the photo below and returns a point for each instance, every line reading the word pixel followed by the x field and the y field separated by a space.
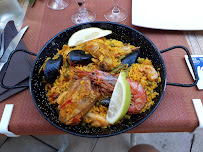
pixel 76 101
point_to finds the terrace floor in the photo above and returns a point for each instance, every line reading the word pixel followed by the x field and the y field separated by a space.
pixel 164 142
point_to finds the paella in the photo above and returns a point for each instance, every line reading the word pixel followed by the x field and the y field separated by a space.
pixel 80 80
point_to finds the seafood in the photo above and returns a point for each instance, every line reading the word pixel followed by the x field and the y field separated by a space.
pixel 101 52
pixel 51 70
pixel 107 81
pixel 76 102
pixel 131 57
pixel 127 48
pixel 105 102
pixel 151 72
pixel 79 57
pixel 138 97
pixel 86 81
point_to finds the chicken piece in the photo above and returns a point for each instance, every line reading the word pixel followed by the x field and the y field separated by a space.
pixel 101 52
pixel 76 101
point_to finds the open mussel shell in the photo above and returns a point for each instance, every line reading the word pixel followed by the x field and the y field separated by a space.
pixel 52 68
pixel 105 102
pixel 79 57
pixel 131 57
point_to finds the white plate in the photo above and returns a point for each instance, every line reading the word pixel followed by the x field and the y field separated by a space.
pixel 168 14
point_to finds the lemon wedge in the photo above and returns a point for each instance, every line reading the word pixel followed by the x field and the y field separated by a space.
pixel 87 34
pixel 120 100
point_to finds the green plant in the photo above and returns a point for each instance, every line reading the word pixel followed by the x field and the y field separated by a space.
pixel 32 2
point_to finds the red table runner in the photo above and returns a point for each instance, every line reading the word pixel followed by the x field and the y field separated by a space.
pixel 175 112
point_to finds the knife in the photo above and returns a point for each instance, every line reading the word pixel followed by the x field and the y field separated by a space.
pixel 12 46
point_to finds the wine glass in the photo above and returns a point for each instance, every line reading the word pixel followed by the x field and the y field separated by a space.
pixel 116 13
pixel 58 4
pixel 82 15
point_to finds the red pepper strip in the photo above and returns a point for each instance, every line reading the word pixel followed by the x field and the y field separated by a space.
pixel 76 119
pixel 67 102
pixel 54 95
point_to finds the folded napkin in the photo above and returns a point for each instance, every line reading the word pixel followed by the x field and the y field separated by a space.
pixel 19 68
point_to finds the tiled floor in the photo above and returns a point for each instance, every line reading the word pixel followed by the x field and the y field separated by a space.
pixel 165 142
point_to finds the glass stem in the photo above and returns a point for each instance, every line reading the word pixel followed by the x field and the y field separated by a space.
pixel 58 1
pixel 82 8
pixel 115 9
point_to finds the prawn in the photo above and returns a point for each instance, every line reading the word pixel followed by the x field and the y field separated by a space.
pixel 150 71
pixel 107 81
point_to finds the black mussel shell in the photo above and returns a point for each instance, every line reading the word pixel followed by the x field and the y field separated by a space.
pixel 79 57
pixel 52 68
pixel 131 58
pixel 105 102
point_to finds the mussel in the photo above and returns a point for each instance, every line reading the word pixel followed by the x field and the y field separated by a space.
pixel 51 70
pixel 79 57
pixel 131 58
pixel 105 102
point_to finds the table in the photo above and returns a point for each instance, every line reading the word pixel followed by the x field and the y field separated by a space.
pixel 175 112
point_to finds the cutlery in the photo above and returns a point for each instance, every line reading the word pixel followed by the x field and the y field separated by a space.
pixel 2 26
pixel 1 42
pixel 12 46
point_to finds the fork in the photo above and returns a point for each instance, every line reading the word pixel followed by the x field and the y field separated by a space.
pixel 2 26
pixel 2 42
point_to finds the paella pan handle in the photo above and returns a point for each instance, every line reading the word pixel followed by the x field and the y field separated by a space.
pixel 5 67
pixel 193 68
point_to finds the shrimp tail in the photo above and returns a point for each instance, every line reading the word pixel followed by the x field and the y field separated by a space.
pixel 138 97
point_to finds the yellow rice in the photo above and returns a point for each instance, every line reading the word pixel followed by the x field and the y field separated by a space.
pixel 62 84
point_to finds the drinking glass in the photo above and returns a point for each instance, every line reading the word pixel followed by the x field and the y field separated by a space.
pixel 116 13
pixel 58 4
pixel 10 10
pixel 82 15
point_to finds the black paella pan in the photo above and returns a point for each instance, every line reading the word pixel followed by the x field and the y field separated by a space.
pixel 120 32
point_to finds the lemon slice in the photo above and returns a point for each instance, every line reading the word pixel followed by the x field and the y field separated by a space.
pixel 120 100
pixel 87 34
